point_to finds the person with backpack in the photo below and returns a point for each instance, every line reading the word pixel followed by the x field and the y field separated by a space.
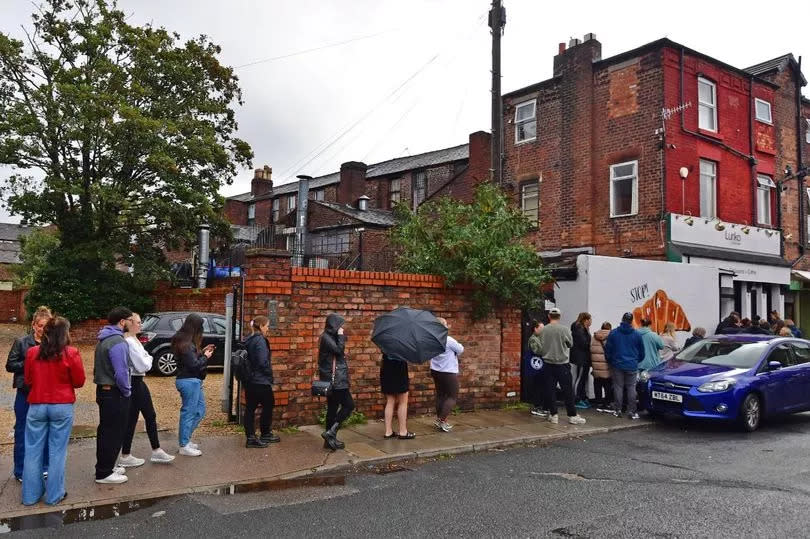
pixel 258 376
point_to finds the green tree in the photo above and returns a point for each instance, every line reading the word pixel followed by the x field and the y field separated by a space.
pixel 34 251
pixel 480 244
pixel 119 135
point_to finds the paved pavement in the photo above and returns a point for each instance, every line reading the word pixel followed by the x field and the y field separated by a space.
pixel 672 479
pixel 226 461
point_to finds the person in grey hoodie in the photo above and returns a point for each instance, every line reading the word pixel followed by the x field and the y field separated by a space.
pixel 555 345
pixel 111 376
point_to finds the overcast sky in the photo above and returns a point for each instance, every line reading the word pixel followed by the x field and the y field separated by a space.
pixel 413 75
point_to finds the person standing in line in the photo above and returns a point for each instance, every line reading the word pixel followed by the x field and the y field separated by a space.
pixel 763 328
pixel 698 334
pixel 15 364
pixel 538 383
pixel 581 358
pixel 603 386
pixel 653 344
pixel 785 332
pixel 444 371
pixel 141 400
pixel 53 370
pixel 113 389
pixel 259 389
pixel 394 384
pixel 192 368
pixel 670 344
pixel 332 367
pixel 624 350
pixel 793 329
pixel 555 345
pixel 731 321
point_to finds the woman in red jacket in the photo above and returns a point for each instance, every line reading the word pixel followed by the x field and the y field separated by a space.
pixel 52 370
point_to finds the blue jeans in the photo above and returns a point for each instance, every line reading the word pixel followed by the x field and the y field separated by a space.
pixel 47 427
pixel 20 413
pixel 193 409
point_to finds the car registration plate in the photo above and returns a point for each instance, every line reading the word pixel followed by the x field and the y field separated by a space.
pixel 671 397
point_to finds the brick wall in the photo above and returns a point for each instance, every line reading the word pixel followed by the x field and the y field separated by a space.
pixel 490 366
pixel 86 332
pixel 12 308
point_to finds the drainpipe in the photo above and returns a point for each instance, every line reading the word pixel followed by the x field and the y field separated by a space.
pixel 203 236
pixel 301 220
pixel 751 149
pixel 800 170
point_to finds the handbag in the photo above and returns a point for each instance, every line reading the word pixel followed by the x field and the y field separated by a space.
pixel 324 389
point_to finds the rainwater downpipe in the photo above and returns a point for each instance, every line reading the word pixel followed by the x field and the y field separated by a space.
pixel 802 232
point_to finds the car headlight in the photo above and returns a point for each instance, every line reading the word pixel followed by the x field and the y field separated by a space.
pixel 644 376
pixel 714 387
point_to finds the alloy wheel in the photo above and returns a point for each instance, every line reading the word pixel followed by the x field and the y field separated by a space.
pixel 166 364
pixel 752 412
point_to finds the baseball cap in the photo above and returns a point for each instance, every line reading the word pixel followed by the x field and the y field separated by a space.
pixel 554 310
pixel 627 317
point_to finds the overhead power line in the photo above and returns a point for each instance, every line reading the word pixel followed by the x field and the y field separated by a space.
pixel 306 51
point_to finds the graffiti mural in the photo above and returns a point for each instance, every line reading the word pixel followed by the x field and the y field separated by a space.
pixel 661 309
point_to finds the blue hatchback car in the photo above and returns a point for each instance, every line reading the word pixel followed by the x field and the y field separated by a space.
pixel 742 378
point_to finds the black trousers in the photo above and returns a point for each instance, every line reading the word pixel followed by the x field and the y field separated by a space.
pixel 561 374
pixel 254 395
pixel 140 402
pixel 339 406
pixel 603 388
pixel 113 409
pixel 446 392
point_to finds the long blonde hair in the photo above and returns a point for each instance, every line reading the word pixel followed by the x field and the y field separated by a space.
pixel 669 329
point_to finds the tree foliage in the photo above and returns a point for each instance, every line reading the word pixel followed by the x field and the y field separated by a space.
pixel 480 244
pixel 34 250
pixel 119 135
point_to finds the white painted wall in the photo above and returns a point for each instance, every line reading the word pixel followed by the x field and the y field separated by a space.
pixel 607 287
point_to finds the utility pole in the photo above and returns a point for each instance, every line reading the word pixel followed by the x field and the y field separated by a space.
pixel 497 20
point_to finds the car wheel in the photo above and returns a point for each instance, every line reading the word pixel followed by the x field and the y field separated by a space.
pixel 166 364
pixel 751 412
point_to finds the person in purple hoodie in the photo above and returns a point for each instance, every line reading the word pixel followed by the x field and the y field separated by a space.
pixel 111 376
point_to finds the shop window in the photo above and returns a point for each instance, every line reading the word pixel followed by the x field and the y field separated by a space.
pixel 394 192
pixel 624 189
pixel 419 188
pixel 707 105
pixel 708 188
pixel 763 111
pixel 530 201
pixel 525 121
pixel 764 187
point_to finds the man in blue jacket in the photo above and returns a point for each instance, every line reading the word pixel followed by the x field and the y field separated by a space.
pixel 624 349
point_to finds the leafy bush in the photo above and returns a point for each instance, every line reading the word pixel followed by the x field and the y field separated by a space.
pixel 357 418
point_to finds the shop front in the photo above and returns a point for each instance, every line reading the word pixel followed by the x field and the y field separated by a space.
pixel 753 280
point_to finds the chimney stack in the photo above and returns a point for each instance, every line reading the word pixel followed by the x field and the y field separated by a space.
pixel 562 48
pixel 578 56
pixel 352 182
pixel 262 182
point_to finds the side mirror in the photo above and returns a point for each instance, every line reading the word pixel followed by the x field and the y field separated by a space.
pixel 774 365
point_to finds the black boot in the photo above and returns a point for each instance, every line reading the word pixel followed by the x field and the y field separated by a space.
pixel 254 442
pixel 270 438
pixel 339 444
pixel 329 437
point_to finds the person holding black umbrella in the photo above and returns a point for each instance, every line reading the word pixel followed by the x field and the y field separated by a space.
pixel 332 367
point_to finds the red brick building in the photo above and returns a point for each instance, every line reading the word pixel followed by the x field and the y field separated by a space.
pixel 665 153
pixel 349 212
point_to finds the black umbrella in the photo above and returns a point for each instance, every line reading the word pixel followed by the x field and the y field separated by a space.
pixel 409 335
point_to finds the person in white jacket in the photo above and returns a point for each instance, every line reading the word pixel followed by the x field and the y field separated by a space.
pixel 444 370
pixel 140 363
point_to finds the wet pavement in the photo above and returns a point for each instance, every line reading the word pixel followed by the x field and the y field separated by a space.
pixel 226 466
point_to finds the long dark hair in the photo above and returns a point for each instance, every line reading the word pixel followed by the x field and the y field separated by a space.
pixel 55 338
pixel 190 333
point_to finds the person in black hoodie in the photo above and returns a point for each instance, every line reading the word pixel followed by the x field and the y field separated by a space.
pixel 332 367
pixel 259 388
pixel 192 367
pixel 15 364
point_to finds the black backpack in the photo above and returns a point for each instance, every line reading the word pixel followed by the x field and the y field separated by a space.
pixel 240 365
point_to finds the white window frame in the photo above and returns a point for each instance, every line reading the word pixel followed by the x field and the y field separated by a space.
pixel 709 180
pixel 251 213
pixel 392 191
pixel 764 186
pixel 708 105
pixel 769 119
pixel 634 193
pixel 520 123
pixel 276 209
pixel 291 202
pixel 532 213
pixel 807 130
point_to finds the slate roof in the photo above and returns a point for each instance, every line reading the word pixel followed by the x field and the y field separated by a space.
pixel 385 168
pixel 371 216
pixel 12 231
pixel 774 64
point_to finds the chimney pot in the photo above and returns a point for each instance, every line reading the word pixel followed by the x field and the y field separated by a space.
pixel 589 37
pixel 574 42
pixel 362 203
pixel 562 48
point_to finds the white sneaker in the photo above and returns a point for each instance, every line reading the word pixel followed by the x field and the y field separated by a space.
pixel 576 420
pixel 438 423
pixel 113 479
pixel 554 419
pixel 120 470
pixel 445 426
pixel 192 445
pixel 188 451
pixel 130 461
pixel 161 457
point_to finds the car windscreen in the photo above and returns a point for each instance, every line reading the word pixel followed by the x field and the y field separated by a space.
pixel 738 355
pixel 149 321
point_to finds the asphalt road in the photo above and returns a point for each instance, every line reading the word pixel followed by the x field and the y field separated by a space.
pixel 670 480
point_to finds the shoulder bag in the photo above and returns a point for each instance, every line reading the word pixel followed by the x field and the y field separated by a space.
pixel 324 389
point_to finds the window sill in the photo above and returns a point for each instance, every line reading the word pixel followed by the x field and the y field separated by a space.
pixel 766 122
pixel 624 215
pixel 527 141
pixel 713 134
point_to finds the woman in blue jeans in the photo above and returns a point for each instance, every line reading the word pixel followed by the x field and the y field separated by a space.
pixel 191 370
pixel 52 370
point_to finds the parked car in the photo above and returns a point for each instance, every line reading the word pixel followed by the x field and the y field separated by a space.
pixel 743 378
pixel 158 329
